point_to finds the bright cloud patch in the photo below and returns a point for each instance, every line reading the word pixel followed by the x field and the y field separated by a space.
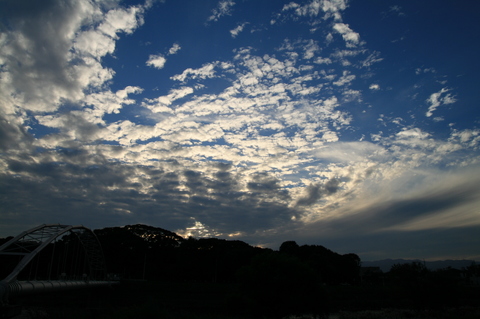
pixel 437 99
pixel 237 30
pixel 352 38
pixel 224 8
pixel 156 61
pixel 174 49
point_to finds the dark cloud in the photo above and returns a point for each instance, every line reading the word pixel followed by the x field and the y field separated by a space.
pixel 331 186
pixel 380 230
pixel 40 55
pixel 316 191
pixel 115 193
pixel 263 183
pixel 13 136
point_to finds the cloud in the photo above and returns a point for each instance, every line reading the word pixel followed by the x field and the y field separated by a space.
pixel 397 9
pixel 310 49
pixel 345 79
pixel 94 43
pixel 110 102
pixel 431 204
pixel 344 152
pixel 125 193
pixel 13 134
pixel 236 31
pixel 156 61
pixel 161 103
pixel 52 52
pixel 352 38
pixel 224 8
pixel 121 20
pixel 374 87
pixel 206 71
pixel 313 8
pixel 436 99
pixel 174 49
pixel 316 192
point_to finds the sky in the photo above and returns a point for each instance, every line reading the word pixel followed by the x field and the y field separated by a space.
pixel 349 124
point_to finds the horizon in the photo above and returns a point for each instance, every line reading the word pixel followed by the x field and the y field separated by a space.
pixel 348 124
pixel 277 249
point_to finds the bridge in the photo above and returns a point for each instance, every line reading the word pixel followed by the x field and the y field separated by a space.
pixel 51 258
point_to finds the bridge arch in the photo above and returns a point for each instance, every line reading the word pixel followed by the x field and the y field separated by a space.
pixel 31 242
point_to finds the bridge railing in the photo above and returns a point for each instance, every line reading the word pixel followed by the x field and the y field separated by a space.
pixel 64 245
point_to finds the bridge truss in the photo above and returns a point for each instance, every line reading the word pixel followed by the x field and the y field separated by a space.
pixel 25 247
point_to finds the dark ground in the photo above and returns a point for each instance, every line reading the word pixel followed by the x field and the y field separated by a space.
pixel 139 299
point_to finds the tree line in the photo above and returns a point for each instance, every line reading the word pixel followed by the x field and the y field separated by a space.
pixel 152 253
pixel 248 280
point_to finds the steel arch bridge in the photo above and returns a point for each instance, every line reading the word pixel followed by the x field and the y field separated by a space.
pixel 30 243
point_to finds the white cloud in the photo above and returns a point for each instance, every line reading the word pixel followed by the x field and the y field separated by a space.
pixel 329 38
pixel 320 60
pixel 112 102
pixel 206 71
pixel 157 61
pixel 467 137
pixel 224 8
pixel 436 99
pixel 344 152
pixel 174 49
pixel 352 38
pixel 330 136
pixel 426 70
pixel 60 49
pixel 310 49
pixel 236 31
pixel 372 59
pixel 331 8
pixel 161 103
pixel 94 43
pixel 345 79
pixel 122 20
pixel 374 87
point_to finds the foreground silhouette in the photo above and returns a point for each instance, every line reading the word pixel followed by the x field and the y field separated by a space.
pixel 166 276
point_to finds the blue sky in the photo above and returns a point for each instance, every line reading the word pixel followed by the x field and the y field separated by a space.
pixel 348 124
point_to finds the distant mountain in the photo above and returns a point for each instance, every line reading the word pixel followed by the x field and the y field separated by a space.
pixel 386 264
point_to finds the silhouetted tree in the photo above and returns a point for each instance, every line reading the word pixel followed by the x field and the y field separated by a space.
pixel 330 266
pixel 290 247
pixel 280 284
pixel 139 251
pixel 410 274
pixel 213 259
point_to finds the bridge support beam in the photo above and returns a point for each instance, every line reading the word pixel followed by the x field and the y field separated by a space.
pixel 17 288
pixel 28 287
pixel 31 242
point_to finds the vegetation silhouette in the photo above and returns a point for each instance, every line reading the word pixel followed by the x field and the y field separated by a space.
pixel 164 275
